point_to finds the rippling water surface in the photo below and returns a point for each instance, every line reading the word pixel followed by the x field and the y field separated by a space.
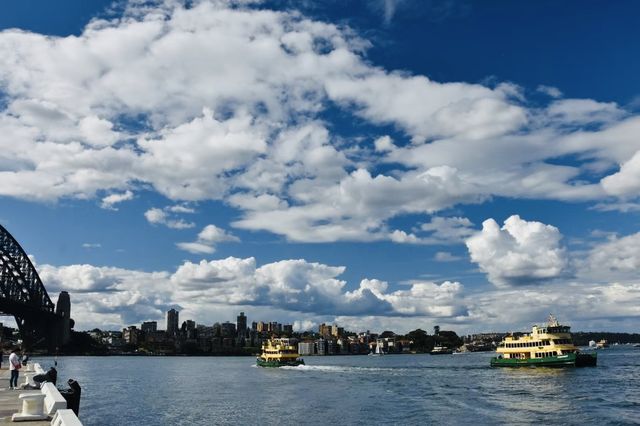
pixel 400 389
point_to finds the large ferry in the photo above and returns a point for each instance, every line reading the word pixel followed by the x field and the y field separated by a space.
pixel 279 353
pixel 550 346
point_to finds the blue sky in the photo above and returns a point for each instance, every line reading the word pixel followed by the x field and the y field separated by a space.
pixel 377 163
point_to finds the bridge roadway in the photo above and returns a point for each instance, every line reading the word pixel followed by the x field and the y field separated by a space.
pixel 9 402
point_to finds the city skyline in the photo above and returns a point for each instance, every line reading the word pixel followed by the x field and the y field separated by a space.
pixel 386 165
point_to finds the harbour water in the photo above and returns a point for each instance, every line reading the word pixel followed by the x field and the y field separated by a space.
pixel 352 390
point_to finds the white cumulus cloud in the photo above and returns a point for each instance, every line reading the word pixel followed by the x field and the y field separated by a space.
pixel 519 253
pixel 111 200
pixel 207 240
pixel 626 182
pixel 166 217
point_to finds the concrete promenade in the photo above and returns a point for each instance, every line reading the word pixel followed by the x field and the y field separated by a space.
pixel 9 402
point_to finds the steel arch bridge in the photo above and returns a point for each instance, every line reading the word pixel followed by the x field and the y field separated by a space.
pixel 23 295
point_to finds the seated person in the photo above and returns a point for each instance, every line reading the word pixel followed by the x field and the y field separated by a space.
pixel 49 376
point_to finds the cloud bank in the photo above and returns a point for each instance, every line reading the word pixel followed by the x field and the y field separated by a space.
pixel 310 292
pixel 261 142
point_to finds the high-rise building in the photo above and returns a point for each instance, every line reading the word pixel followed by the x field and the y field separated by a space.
pixel 275 327
pixel 149 326
pixel 228 329
pixel 172 322
pixel 324 330
pixel 241 325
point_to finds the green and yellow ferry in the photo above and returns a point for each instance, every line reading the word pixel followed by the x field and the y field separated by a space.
pixel 550 346
pixel 279 353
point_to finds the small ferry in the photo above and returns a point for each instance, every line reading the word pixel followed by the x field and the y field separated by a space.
pixel 279 353
pixel 602 344
pixel 441 350
pixel 550 346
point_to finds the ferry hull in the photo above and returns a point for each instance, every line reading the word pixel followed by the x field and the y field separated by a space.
pixel 272 363
pixel 569 360
pixel 586 360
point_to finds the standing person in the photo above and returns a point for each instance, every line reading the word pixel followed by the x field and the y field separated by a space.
pixel 14 366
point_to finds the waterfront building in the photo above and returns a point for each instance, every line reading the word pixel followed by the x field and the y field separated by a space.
pixel 404 346
pixel 307 348
pixel 149 326
pixel 216 344
pixel 321 347
pixel 204 344
pixel 172 322
pixel 113 342
pixel 262 327
pixel 217 329
pixel 131 335
pixel 241 325
pixel 159 342
pixel 355 347
pixel 256 339
pixel 332 347
pixel 188 329
pixel 388 344
pixel 158 336
pixel 204 336
pixel 365 337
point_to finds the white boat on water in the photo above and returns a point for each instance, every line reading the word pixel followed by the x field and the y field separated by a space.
pixel 441 350
pixel 377 352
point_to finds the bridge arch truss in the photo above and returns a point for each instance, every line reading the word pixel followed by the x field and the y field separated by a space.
pixel 23 295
